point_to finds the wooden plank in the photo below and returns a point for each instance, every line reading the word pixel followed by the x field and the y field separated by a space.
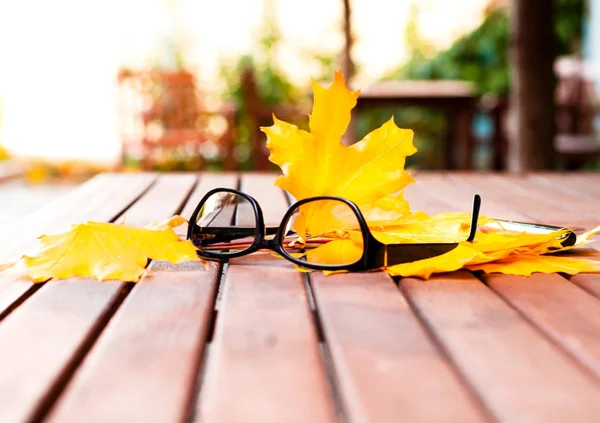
pixel 589 282
pixel 101 199
pixel 18 198
pixel 529 199
pixel 585 186
pixel 265 355
pixel 548 300
pixel 168 195
pixel 152 346
pixel 271 199
pixel 265 352
pixel 386 364
pixel 208 181
pixel 480 331
pixel 144 366
pixel 576 198
pixel 437 193
pixel 566 313
pixel 519 374
pixel 545 197
pixel 503 198
pixel 43 339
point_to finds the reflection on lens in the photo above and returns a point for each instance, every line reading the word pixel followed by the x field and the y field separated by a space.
pixel 325 232
pixel 226 224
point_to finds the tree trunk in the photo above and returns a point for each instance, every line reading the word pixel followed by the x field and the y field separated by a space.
pixel 348 68
pixel 347 63
pixel 533 86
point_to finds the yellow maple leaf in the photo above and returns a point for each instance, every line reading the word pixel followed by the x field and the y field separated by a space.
pixel 418 228
pixel 106 251
pixel 370 172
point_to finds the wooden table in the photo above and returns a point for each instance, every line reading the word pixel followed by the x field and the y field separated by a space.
pixel 458 99
pixel 256 341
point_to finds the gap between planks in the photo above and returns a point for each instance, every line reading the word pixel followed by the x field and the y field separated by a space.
pixel 551 311
pixel 68 331
pixel 154 344
pixel 264 333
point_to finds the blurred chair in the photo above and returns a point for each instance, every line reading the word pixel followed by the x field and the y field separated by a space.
pixel 161 117
pixel 577 107
pixel 260 114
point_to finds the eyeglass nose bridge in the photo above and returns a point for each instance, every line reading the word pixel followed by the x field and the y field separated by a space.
pixel 268 244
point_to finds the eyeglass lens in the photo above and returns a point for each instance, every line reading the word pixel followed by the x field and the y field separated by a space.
pixel 226 224
pixel 325 232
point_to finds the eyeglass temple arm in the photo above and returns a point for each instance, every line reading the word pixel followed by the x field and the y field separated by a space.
pixel 567 239
pixel 406 253
pixel 474 217
pixel 216 234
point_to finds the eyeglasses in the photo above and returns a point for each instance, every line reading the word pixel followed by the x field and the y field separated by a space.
pixel 320 233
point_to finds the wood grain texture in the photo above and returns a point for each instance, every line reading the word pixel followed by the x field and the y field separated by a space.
pixel 40 339
pixel 576 199
pixel 588 282
pixel 532 200
pixel 562 310
pixel 437 193
pixel 153 343
pixel 101 199
pixel 167 196
pixel 387 367
pixel 271 199
pixel 518 373
pixel 558 307
pixel 522 350
pixel 265 364
pixel 207 181
pixel 464 313
pixel 143 367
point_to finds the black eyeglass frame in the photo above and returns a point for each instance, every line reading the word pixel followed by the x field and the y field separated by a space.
pixel 375 255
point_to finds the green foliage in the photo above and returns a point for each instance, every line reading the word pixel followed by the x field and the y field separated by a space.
pixel 481 56
pixel 274 87
pixel 568 25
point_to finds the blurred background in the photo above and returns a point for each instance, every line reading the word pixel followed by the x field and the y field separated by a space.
pixel 176 85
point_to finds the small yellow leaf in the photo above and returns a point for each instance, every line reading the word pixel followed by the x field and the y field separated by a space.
pixel 584 238
pixel 526 264
pixel 173 222
pixel 452 260
pixel 106 251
